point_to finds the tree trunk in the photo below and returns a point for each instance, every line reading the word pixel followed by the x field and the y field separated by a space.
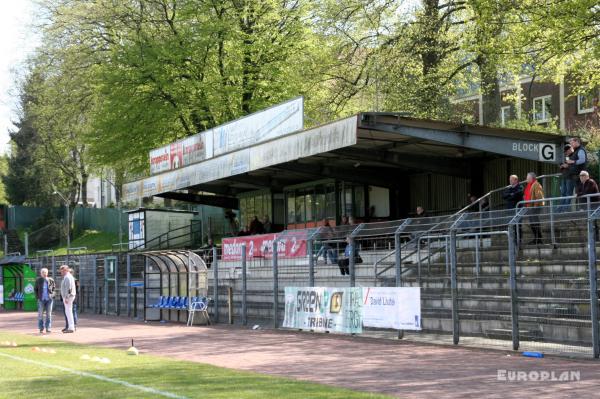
pixel 490 89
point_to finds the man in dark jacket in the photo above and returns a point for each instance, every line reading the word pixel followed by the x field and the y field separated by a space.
pixel 44 291
pixel 513 194
pixel 588 187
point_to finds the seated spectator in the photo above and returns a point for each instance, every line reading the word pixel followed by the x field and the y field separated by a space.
pixel 420 212
pixel 326 250
pixel 344 262
pixel 244 232
pixel 344 221
pixel 587 186
pixel 256 227
pixel 268 227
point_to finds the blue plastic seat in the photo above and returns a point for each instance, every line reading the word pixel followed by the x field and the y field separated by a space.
pixel 167 303
pixel 158 303
pixel 175 302
pixel 184 303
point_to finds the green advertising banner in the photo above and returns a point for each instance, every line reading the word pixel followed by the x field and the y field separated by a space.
pixel 324 309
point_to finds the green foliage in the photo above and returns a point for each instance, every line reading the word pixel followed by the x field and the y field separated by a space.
pixel 113 80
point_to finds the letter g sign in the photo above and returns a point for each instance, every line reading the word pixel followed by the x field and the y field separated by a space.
pixel 547 153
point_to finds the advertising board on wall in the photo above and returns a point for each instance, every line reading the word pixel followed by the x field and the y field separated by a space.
pixel 336 135
pixel 261 246
pixel 324 309
pixel 255 128
pixel 348 310
pixel 392 307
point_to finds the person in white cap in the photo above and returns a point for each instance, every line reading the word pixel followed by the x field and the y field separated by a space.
pixel 68 292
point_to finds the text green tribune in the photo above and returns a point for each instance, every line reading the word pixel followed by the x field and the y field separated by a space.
pixel 324 309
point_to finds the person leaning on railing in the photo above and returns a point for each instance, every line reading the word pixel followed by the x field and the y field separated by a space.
pixel 588 187
pixel 534 192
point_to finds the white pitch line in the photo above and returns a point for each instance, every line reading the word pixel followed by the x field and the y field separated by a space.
pixel 96 376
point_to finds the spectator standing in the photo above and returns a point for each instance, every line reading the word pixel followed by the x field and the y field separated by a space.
pixel 44 292
pixel 567 181
pixel 68 291
pixel 75 306
pixel 207 252
pixel 578 159
pixel 513 194
pixel 534 192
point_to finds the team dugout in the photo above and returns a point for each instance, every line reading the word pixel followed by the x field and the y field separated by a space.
pixel 373 166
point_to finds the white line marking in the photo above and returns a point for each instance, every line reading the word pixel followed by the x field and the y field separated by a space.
pixel 96 376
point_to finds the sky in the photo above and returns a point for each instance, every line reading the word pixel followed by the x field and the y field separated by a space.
pixel 17 41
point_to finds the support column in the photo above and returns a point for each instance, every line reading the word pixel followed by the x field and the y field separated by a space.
pixel 593 275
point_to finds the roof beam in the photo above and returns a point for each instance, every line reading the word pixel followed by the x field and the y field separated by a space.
pixel 446 166
pixel 212 200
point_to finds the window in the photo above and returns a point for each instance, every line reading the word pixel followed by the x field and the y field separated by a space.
pixel 291 207
pixel 586 103
pixel 504 114
pixel 300 210
pixel 542 109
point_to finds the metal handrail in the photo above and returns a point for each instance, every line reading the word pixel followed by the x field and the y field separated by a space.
pixel 460 211
pixel 165 237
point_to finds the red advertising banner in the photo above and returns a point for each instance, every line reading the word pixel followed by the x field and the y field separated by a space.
pixel 261 246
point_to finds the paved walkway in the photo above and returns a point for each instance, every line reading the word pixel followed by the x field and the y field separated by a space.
pixel 403 369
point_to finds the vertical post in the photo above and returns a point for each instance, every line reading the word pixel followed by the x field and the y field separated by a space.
pixel 230 304
pixel 26 245
pixel 215 266
pixel 94 280
pixel 419 259
pixel 591 231
pixel 275 285
pixel 477 257
pixel 68 228
pixel 128 285
pixel 106 262
pixel 311 264
pixel 244 282
pixel 117 291
pixel 552 233
pixel 398 260
pixel 5 244
pixel 454 288
pixel 53 268
pixel 514 298
pixel 351 263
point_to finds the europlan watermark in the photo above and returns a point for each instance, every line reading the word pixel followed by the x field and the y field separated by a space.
pixel 538 375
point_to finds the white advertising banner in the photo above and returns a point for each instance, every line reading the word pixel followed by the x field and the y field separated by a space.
pixel 339 134
pixel 1 294
pixel 260 126
pixel 392 307
pixel 255 128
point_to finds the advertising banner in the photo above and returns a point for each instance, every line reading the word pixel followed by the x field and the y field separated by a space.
pixel 324 309
pixel 392 307
pixel 1 294
pixel 260 126
pixel 339 134
pixel 181 153
pixel 261 246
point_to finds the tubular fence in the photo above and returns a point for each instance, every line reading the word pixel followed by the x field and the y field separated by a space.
pixel 522 279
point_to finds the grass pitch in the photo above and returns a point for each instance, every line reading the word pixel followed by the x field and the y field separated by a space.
pixel 31 370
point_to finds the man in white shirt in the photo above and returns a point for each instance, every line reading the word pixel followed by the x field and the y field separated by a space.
pixel 68 292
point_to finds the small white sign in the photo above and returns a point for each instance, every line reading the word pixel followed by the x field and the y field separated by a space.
pixel 1 294
pixel 392 307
